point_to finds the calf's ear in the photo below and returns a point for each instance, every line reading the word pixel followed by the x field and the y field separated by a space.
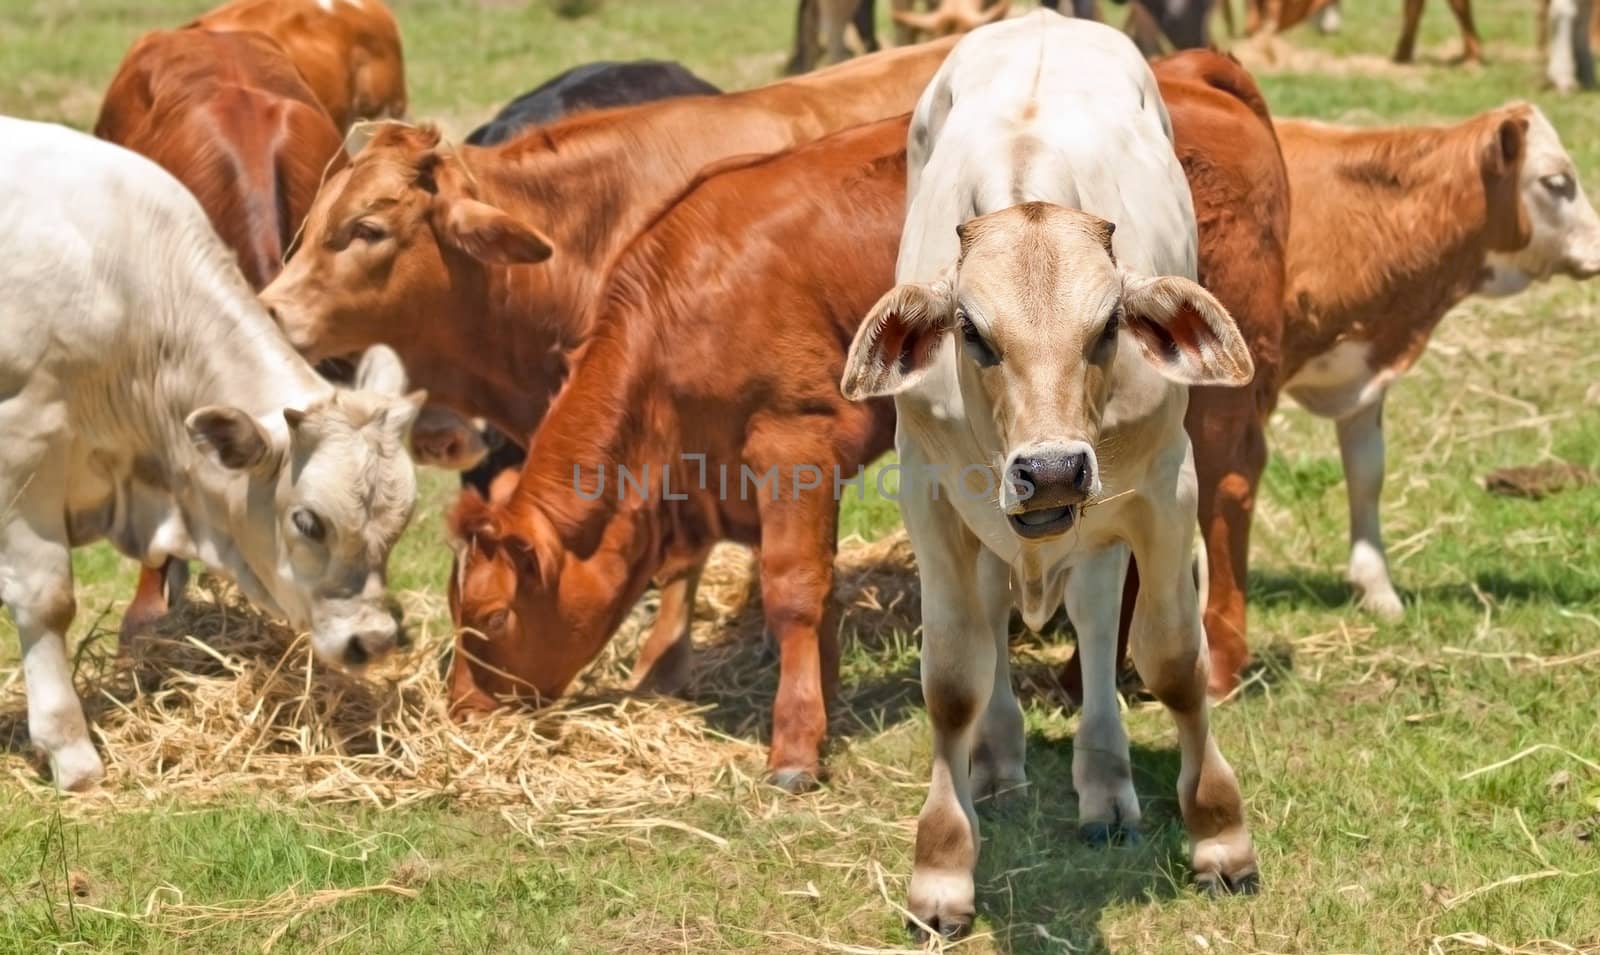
pixel 899 340
pixel 1506 145
pixel 230 438
pixel 381 370
pixel 401 413
pixel 486 233
pixel 1184 331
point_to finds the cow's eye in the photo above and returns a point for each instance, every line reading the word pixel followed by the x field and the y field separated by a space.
pixel 365 231
pixel 496 621
pixel 309 525
pixel 1113 325
pixel 977 349
pixel 1560 184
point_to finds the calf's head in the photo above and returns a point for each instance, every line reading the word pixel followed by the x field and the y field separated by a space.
pixel 396 241
pixel 1038 317
pixel 1562 229
pixel 327 491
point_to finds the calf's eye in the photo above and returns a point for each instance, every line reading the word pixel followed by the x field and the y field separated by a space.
pixel 1560 184
pixel 973 342
pixel 364 231
pixel 309 525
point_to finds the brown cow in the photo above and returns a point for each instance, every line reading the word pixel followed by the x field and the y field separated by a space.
pixel 1225 140
pixel 716 386
pixel 347 50
pixel 423 247
pixel 1276 16
pixel 1389 229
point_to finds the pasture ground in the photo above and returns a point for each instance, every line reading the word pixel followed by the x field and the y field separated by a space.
pixel 1430 786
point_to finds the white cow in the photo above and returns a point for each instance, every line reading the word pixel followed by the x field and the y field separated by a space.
pixel 147 398
pixel 1038 353
pixel 1565 32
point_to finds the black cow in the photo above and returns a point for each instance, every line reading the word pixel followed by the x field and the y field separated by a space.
pixel 591 86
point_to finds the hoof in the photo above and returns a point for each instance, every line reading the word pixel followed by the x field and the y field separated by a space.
pixel 1103 834
pixel 1383 604
pixel 1215 884
pixel 794 781
pixel 77 768
pixel 949 928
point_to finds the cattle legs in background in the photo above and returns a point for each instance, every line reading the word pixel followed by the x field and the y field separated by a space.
pixel 159 592
pixel 1566 38
pixel 666 660
pixel 1361 451
pixel 829 19
pixel 1471 46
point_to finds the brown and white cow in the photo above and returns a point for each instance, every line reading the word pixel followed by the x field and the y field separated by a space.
pixel 1038 352
pixel 710 377
pixel 1389 229
pixel 439 251
pixel 347 50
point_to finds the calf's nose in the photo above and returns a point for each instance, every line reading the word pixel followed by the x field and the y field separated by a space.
pixel 1053 479
pixel 369 645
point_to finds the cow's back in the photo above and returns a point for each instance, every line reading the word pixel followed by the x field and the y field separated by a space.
pixel 991 132
pixel 600 85
pixel 1225 140
pixel 230 117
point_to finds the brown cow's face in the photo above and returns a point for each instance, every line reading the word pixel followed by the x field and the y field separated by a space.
pixel 528 625
pixel 1037 313
pixel 393 244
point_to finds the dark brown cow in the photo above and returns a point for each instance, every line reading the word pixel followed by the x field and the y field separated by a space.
pixel 733 354
pixel 347 50
pixel 432 249
pixel 231 118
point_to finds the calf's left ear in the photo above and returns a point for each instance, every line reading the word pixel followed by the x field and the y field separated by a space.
pixel 486 233
pixel 231 438
pixel 899 340
pixel 1184 331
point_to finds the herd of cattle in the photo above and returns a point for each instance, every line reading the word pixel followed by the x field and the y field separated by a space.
pixel 1072 323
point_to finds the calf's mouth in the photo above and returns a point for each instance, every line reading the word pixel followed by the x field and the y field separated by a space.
pixel 1043 522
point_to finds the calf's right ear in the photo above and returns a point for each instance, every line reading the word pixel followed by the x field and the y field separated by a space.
pixel 899 340
pixel 230 438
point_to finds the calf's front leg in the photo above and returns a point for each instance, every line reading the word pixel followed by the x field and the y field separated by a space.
pixel 1361 450
pixel 797 544
pixel 958 677
pixel 1169 649
pixel 36 585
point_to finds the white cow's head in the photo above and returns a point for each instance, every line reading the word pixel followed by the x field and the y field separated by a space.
pixel 1039 312
pixel 328 491
pixel 1564 229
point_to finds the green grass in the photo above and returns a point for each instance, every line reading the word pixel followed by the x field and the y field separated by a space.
pixel 1352 749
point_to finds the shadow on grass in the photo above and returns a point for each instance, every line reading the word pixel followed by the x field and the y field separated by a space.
pixel 1041 888
pixel 1324 591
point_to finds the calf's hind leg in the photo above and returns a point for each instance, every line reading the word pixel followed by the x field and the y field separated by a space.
pixel 36 585
pixel 998 757
pixel 1108 808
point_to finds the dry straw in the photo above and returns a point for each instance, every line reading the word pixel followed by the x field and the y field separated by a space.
pixel 220 701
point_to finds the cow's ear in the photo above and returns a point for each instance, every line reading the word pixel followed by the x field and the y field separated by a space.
pixel 381 370
pixel 486 233
pixel 1508 141
pixel 899 340
pixel 231 438
pixel 1184 331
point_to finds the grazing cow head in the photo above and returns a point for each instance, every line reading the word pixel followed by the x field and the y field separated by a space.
pixel 951 17
pixel 397 240
pixel 1038 313
pixel 535 617
pixel 1564 231
pixel 329 489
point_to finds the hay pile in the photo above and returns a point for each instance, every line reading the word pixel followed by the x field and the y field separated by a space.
pixel 219 700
